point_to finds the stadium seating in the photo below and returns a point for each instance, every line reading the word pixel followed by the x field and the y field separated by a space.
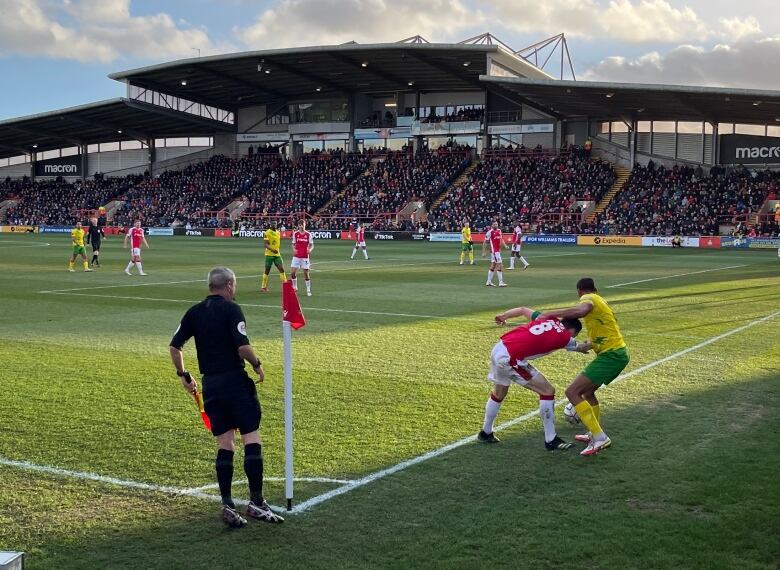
pixel 56 202
pixel 681 200
pixel 397 178
pixel 522 187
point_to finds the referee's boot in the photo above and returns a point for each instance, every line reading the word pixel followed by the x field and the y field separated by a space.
pixel 262 512
pixel 232 518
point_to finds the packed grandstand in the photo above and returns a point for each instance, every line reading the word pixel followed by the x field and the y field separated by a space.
pixel 422 155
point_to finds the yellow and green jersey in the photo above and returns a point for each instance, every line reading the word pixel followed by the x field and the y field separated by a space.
pixel 465 235
pixel 77 236
pixel 274 239
pixel 603 329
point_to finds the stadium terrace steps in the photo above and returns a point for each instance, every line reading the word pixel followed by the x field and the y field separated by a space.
pixel 459 181
pixel 5 204
pixel 324 208
pixel 621 177
pixel 112 207
pixel 236 207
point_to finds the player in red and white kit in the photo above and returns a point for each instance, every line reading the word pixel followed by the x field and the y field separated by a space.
pixel 509 363
pixel 136 237
pixel 302 243
pixel 360 241
pixel 495 240
pixel 517 247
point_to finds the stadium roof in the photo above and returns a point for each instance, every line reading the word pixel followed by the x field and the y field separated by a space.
pixel 257 77
pixel 104 121
pixel 644 102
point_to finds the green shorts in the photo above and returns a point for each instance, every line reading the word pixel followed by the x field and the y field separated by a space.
pixel 607 366
pixel 271 260
pixel 79 250
pixel 466 247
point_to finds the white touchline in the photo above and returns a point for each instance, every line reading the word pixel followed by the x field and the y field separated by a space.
pixel 305 505
pixel 677 275
pixel 169 490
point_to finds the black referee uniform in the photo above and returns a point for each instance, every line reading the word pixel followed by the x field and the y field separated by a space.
pixel 94 237
pixel 229 395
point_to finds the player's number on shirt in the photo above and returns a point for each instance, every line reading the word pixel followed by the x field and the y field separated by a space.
pixel 542 328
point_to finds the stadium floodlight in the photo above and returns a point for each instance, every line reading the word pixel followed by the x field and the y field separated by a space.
pixel 120 131
pixel 610 95
pixel 268 71
pixel 466 63
pixel 756 103
pixel 184 83
pixel 35 146
pixel 318 89
pixel 410 83
pixel 364 64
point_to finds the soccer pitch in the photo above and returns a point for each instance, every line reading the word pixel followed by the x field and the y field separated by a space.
pixel 389 385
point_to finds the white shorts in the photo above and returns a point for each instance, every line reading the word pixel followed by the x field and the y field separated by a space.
pixel 300 263
pixel 496 257
pixel 135 252
pixel 516 247
pixel 360 244
pixel 503 373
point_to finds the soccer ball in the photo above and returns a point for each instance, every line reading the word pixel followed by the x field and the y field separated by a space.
pixel 571 414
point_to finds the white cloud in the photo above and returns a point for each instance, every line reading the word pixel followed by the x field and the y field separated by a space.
pixel 315 22
pixel 102 30
pixel 747 64
pixel 621 20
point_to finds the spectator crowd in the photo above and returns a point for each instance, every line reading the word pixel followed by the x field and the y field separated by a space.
pixel 522 188
pixel 681 200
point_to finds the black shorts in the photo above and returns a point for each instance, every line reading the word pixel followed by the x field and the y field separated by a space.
pixel 230 400
pixel 95 245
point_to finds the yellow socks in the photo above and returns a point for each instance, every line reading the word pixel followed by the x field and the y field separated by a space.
pixel 471 256
pixel 596 411
pixel 265 281
pixel 86 265
pixel 461 256
pixel 70 265
pixel 588 417
pixel 283 277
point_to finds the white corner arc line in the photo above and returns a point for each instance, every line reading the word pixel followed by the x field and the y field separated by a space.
pixel 677 275
pixel 309 503
pixel 327 480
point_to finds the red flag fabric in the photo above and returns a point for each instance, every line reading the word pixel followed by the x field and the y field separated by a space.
pixel 291 308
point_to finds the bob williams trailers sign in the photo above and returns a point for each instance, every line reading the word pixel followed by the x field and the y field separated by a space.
pixel 65 166
pixel 749 149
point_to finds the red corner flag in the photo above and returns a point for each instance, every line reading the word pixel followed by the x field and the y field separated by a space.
pixel 291 308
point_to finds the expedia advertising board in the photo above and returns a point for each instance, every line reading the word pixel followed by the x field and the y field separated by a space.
pixel 749 149
pixel 65 166
pixel 609 240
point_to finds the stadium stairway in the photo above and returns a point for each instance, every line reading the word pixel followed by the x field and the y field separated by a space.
pixel 621 177
pixel 459 181
pixel 326 205
pixel 5 204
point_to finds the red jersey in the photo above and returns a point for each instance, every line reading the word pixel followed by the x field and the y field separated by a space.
pixel 360 235
pixel 301 242
pixel 494 237
pixel 535 339
pixel 136 236
pixel 517 235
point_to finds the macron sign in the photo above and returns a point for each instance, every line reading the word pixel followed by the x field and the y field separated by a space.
pixel 65 166
pixel 749 149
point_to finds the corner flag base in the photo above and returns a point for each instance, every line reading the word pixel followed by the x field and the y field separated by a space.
pixel 289 504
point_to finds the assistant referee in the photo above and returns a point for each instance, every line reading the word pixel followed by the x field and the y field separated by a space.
pixel 229 395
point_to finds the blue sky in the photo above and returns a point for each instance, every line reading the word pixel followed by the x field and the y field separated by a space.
pixel 58 53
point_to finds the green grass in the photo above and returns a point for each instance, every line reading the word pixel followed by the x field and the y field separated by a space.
pixel 391 365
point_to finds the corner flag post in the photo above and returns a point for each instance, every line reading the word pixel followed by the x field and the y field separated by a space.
pixel 288 414
pixel 292 318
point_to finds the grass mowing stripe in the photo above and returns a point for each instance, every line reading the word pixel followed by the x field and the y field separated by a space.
pixel 525 417
pixel 677 275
